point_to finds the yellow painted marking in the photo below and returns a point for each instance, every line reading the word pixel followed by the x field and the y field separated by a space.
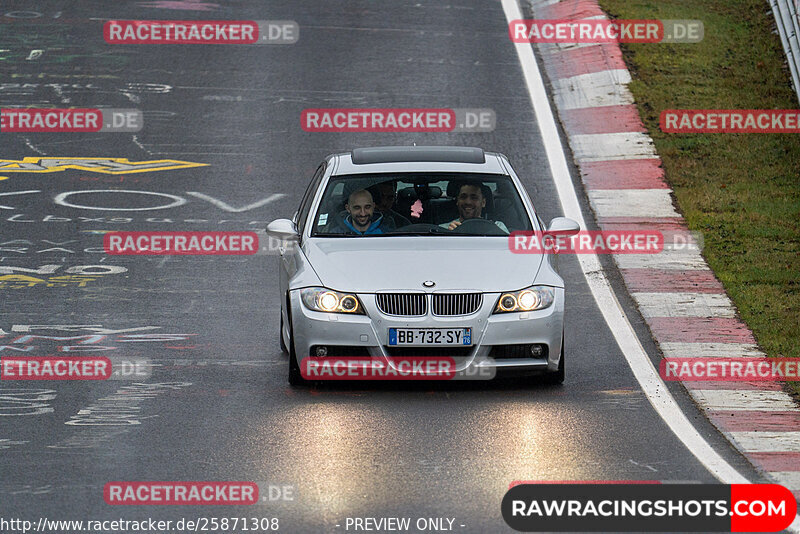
pixel 100 165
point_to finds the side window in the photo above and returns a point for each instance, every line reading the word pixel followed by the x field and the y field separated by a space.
pixel 308 198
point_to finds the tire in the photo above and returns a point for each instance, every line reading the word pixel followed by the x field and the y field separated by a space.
pixel 280 337
pixel 295 376
pixel 557 377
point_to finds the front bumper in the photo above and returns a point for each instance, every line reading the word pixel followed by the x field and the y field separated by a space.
pixel 368 334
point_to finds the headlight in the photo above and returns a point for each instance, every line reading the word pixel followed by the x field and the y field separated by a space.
pixel 529 299
pixel 327 300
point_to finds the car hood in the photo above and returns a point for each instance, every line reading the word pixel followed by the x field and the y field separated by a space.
pixel 369 264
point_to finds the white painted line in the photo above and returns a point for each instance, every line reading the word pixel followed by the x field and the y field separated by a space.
pixel 710 350
pixel 644 203
pixel 684 304
pixel 612 146
pixel 643 369
pixel 768 441
pixel 230 209
pixel 595 89
pixel 734 400
pixel 682 260
pixel 788 479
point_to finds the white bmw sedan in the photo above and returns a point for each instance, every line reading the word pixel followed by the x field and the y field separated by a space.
pixel 403 252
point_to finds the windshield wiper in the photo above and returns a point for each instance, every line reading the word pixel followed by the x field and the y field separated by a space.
pixel 431 231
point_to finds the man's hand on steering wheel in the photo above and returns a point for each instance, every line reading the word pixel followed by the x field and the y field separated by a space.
pixel 475 223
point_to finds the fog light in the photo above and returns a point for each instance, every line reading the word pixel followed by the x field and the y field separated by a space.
pixel 536 351
pixel 322 350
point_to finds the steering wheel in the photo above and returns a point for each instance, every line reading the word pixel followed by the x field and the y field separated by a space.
pixel 478 226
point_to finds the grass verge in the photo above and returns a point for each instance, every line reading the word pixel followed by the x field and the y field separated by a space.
pixel 742 191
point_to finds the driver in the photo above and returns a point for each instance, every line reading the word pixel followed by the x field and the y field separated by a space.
pixel 361 218
pixel 470 203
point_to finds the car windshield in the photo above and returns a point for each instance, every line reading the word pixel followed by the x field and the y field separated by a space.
pixel 420 204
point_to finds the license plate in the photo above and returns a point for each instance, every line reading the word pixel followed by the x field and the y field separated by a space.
pixel 422 337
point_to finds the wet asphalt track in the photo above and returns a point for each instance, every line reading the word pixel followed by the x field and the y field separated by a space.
pixel 228 414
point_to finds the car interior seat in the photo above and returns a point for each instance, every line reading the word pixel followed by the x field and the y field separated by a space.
pixel 426 194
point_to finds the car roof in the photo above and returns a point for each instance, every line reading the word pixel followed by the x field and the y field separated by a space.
pixel 418 159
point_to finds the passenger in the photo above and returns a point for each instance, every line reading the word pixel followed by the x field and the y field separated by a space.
pixel 470 203
pixel 384 194
pixel 360 217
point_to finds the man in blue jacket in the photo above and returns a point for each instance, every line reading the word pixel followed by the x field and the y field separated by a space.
pixel 361 218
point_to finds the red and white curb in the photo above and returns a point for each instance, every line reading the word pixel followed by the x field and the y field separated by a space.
pixel 681 300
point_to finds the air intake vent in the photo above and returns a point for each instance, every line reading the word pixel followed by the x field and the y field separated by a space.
pixel 406 304
pixel 446 304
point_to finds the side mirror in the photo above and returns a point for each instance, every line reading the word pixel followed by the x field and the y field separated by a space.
pixel 559 226
pixel 283 229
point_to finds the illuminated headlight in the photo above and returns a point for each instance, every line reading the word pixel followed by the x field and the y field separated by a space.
pixel 327 300
pixel 529 299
